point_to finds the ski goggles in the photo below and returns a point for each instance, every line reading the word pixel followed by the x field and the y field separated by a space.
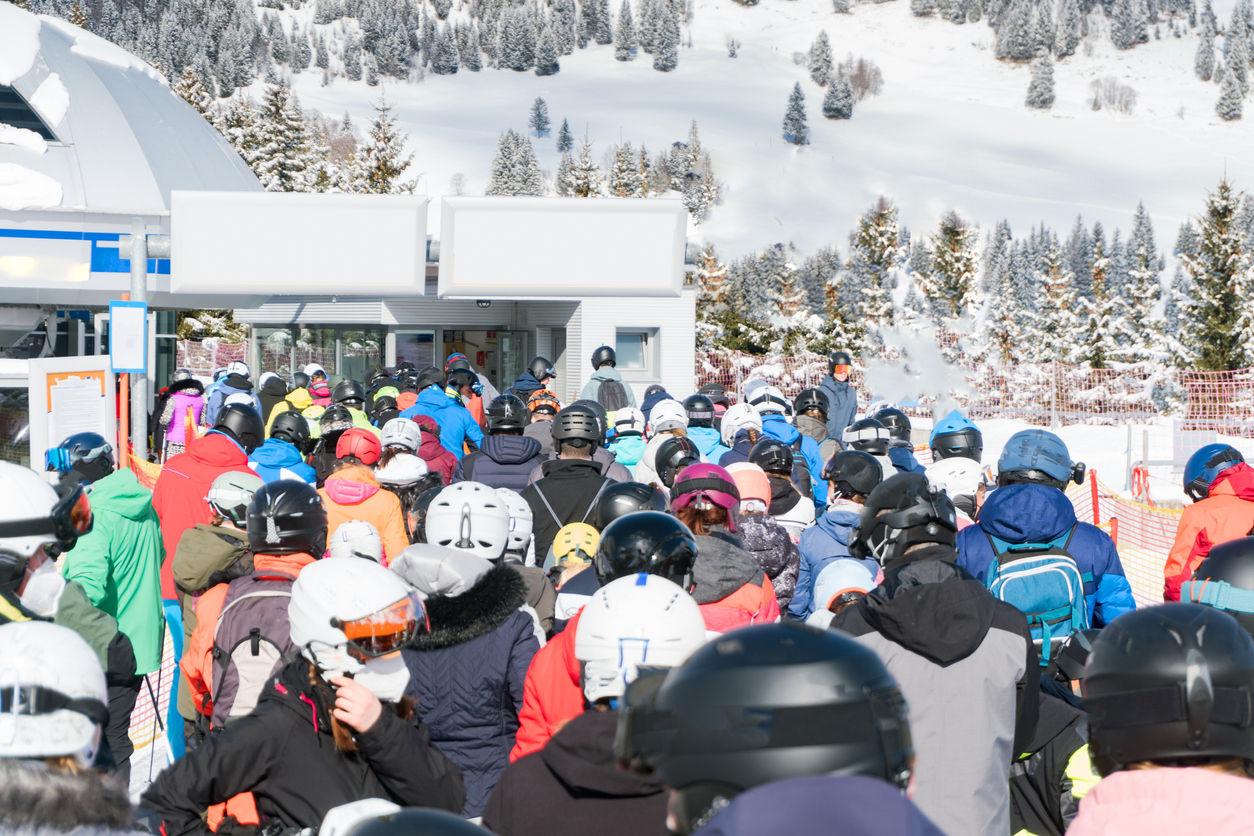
pixel 70 518
pixel 842 369
pixel 385 631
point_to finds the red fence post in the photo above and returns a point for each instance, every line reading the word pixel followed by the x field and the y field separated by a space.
pixel 1114 531
pixel 1097 519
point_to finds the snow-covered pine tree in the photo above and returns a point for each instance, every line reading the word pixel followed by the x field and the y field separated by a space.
pixel 713 288
pixel 666 37
pixel 282 156
pixel 372 72
pixel 975 10
pixel 1143 291
pixel 581 29
pixel 564 26
pixel 1230 101
pixel 604 31
pixel 472 55
pixel 501 178
pixel 1222 287
pixel 1014 33
pixel 1043 28
pixel 875 250
pixel 1204 61
pixel 646 171
pixel 1041 89
pixel 646 25
pixel 381 159
pixel 539 119
pixel 1186 241
pixel 949 284
pixel 546 52
pixel 796 130
pixel 322 57
pixel 193 92
pixel 625 179
pixel 838 100
pixel 565 141
pixel 1067 36
pixel 563 181
pixel 624 33
pixel 1098 319
pixel 444 57
pixel 352 58
pixel 1239 63
pixel 1127 24
pixel 586 174
pixel 1079 251
pixel 922 8
pixel 1175 316
pixel 820 58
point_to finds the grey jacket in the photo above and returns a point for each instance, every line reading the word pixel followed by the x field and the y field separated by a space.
pixel 969 672
pixel 842 405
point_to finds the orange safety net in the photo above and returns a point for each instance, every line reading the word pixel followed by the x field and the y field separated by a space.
pixel 145 472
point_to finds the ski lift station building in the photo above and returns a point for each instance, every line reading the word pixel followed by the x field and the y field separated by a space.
pixel 91 137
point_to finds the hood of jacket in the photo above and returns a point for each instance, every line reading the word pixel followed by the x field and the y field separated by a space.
pixel 237 382
pixel 784 497
pixel 527 382
pixel 275 387
pixel 706 439
pixel 628 449
pixel 217 450
pixel 722 567
pixel 292 690
pixel 299 398
pixel 433 399
pixel 1027 514
pixel 276 453
pixel 653 400
pixel 777 427
pixel 570 468
pixel 510 449
pixel 838 523
pixel 815 428
pixel 205 551
pixel 1164 802
pixel 121 493
pixel 767 541
pixel 930 606
pixel 456 619
pixel 288 564
pixel 607 373
pixel 351 486
pixel 582 756
pixel 430 446
pixel 1237 481
pixel 190 386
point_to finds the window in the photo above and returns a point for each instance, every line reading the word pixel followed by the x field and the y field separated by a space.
pixel 16 112
pixel 637 353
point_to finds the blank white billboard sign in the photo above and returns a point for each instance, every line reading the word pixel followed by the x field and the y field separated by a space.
pixel 298 243
pixel 518 247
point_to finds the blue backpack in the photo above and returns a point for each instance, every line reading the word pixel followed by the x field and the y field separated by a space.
pixel 1042 581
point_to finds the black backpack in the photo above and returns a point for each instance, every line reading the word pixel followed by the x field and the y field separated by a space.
pixel 612 396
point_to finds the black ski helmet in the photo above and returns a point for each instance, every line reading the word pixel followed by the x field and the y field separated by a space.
pixel 541 369
pixel 773 456
pixel 457 378
pixel 626 498
pixel 90 455
pixel 507 412
pixel 287 517
pixel 242 423
pixel 603 417
pixel 967 443
pixel 700 409
pixel 418 511
pixel 577 425
pixel 412 821
pixel 867 435
pixel 896 421
pixel 810 399
pixel 1167 682
pixel 838 358
pixel 300 380
pixel 917 513
pixel 429 376
pixel 646 541
pixel 672 456
pixel 377 374
pixel 760 704
pixel 712 389
pixel 853 473
pixel 349 393
pixel 335 418
pixel 1225 581
pixel 384 409
pixel 292 428
pixel 604 356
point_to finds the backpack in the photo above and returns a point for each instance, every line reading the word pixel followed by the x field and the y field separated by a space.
pixel 612 396
pixel 249 642
pixel 1043 582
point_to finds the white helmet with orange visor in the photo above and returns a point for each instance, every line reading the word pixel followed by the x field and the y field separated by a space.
pixel 33 516
pixel 352 617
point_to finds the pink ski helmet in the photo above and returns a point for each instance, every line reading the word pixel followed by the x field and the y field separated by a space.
pixel 704 482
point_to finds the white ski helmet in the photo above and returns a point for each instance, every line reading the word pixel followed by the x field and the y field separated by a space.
pixel 356 538
pixel 469 516
pixel 345 612
pixel 402 471
pixel 629 420
pixel 633 622
pixel 232 492
pixel 520 519
pixel 402 432
pixel 739 416
pixel 667 415
pixel 956 476
pixel 238 367
pixel 312 369
pixel 768 400
pixel 27 498
pixel 56 702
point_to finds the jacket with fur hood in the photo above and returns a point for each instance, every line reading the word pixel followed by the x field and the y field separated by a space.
pixel 39 802
pixel 285 755
pixel 352 493
pixel 967 667
pixel 731 589
pixel 573 787
pixel 170 415
pixel 467 674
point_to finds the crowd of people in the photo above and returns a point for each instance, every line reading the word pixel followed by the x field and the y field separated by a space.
pixel 414 605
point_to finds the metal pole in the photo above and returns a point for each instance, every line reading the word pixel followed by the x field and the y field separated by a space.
pixel 1053 394
pixel 139 383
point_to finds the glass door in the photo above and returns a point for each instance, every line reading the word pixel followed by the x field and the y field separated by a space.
pixel 513 357
pixel 418 347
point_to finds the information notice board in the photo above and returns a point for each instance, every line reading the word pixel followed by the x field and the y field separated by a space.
pixel 70 395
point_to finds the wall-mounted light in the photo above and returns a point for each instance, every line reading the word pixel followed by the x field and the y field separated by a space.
pixel 483 303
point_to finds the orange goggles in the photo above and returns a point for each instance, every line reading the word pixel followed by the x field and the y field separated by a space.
pixel 842 369
pixel 69 519
pixel 385 631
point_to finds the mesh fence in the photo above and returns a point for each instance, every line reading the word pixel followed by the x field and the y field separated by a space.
pixel 206 355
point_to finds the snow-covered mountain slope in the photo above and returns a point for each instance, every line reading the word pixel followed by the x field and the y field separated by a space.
pixel 949 131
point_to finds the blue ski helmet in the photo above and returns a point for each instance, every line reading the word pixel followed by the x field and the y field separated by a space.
pixel 1040 457
pixel 1204 467
pixel 955 436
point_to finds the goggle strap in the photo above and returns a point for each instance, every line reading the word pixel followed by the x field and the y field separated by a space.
pixel 34 700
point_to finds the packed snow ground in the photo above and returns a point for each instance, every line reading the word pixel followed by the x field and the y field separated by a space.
pixel 949 131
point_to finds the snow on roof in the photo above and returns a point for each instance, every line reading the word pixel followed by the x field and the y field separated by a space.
pixel 123 139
